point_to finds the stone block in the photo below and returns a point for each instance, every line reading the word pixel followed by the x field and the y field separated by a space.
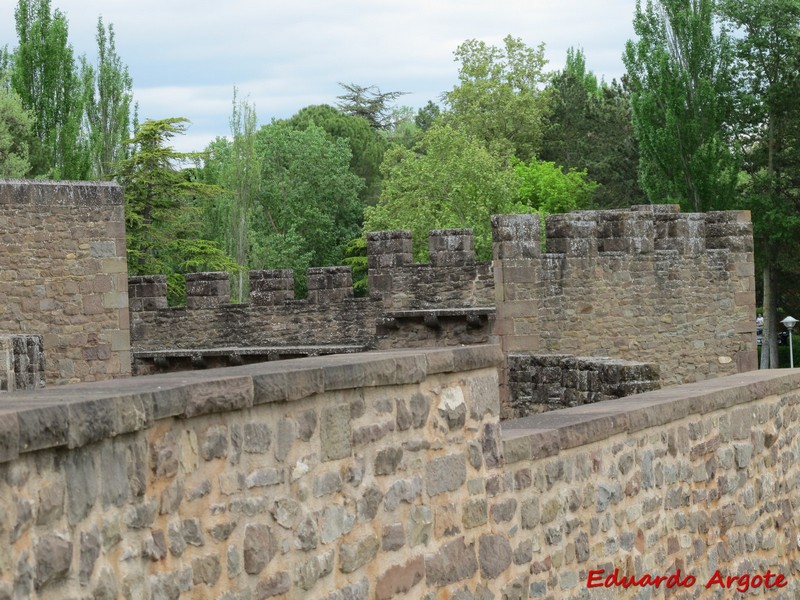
pixel 445 474
pixel 453 562
pixel 400 579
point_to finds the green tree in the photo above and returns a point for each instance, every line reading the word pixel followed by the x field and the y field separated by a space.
pixel 45 76
pixel 162 207
pixel 590 127
pixel 368 102
pixel 308 207
pixel 427 115
pixel 108 89
pixel 15 134
pixel 498 99
pixel 448 180
pixel 366 144
pixel 767 38
pixel 546 188
pixel 679 71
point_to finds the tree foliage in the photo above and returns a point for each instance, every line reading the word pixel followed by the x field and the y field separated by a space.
pixel 308 206
pixel 549 189
pixel 448 180
pixel 108 89
pixel 589 128
pixel 45 76
pixel 767 44
pixel 679 71
pixel 366 144
pixel 15 135
pixel 162 208
pixel 368 102
pixel 498 99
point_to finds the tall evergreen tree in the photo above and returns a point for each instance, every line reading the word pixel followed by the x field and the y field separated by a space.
pixel 679 72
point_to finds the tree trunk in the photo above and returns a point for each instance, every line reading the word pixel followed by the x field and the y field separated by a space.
pixel 769 338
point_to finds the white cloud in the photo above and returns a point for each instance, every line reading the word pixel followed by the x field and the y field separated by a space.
pixel 185 56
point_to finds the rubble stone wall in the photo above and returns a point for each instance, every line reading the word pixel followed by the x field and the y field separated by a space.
pixel 64 276
pixel 389 475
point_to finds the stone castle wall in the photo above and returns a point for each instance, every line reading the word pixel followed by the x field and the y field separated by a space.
pixel 647 284
pixel 389 476
pixel 63 275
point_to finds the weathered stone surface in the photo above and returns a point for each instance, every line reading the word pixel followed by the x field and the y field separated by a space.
pixel 192 532
pixel 264 477
pixel 334 522
pixel 504 510
pixel 453 562
pixel 353 591
pixel 494 555
pixel 420 525
pixel 106 588
pixel 284 439
pixel 307 534
pixel 259 548
pixel 355 555
pixel 277 584
pixel 215 444
pixel 24 518
pixel 369 503
pixel 53 556
pixel 51 503
pixel 474 513
pixel 154 547
pixel 81 478
pixel 420 407
pixel 393 537
pixel 90 551
pixel 141 516
pixel 529 513
pixel 257 438
pixel 452 407
pixel 175 540
pixel 403 419
pixel 311 571
pixel 404 490
pixel 306 424
pixel 400 579
pixel 387 461
pixel 445 474
pixel 206 570
pixel 334 432
pixel 327 484
pixel 222 531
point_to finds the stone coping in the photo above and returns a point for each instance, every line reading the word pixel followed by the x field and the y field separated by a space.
pixel 546 434
pixel 66 193
pixel 442 312
pixel 250 351
pixel 71 416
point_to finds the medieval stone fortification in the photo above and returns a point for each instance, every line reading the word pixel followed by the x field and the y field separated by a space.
pixel 391 474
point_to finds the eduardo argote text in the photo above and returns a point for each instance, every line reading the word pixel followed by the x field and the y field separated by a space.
pixel 741 583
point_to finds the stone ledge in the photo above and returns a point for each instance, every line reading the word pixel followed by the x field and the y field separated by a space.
pixel 546 434
pixel 76 415
pixel 62 193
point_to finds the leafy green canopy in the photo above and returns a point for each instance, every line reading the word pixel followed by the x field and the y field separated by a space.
pixel 679 71
pixel 498 99
pixel 162 209
pixel 15 133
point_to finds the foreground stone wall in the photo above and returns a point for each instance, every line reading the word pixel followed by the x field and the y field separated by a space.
pixel 386 475
pixel 63 275
pixel 647 284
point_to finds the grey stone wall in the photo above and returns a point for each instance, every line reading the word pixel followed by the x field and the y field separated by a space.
pixel 63 275
pixel 542 382
pixel 647 284
pixel 389 476
pixel 21 362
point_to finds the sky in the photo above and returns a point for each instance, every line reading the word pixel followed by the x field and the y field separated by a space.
pixel 186 56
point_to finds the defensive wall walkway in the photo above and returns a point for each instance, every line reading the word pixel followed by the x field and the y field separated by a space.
pixel 389 475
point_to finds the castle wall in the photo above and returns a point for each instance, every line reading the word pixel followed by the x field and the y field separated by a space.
pixel 63 275
pixel 388 475
pixel 649 285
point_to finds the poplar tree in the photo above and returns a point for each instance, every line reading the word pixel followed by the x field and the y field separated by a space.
pixel 45 76
pixel 679 72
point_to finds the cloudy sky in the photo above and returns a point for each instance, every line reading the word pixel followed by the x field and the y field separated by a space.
pixel 185 56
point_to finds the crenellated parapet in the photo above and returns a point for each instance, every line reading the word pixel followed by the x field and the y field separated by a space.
pixel 271 287
pixel 147 292
pixel 329 284
pixel 207 290
pixel 646 284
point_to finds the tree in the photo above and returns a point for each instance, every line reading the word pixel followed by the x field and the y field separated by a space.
pixel 368 102
pixel 498 98
pixel 448 180
pixel 162 208
pixel 108 89
pixel 427 115
pixel 366 144
pixel 679 72
pixel 589 128
pixel 45 76
pixel 768 85
pixel 15 133
pixel 308 207
pixel 546 188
